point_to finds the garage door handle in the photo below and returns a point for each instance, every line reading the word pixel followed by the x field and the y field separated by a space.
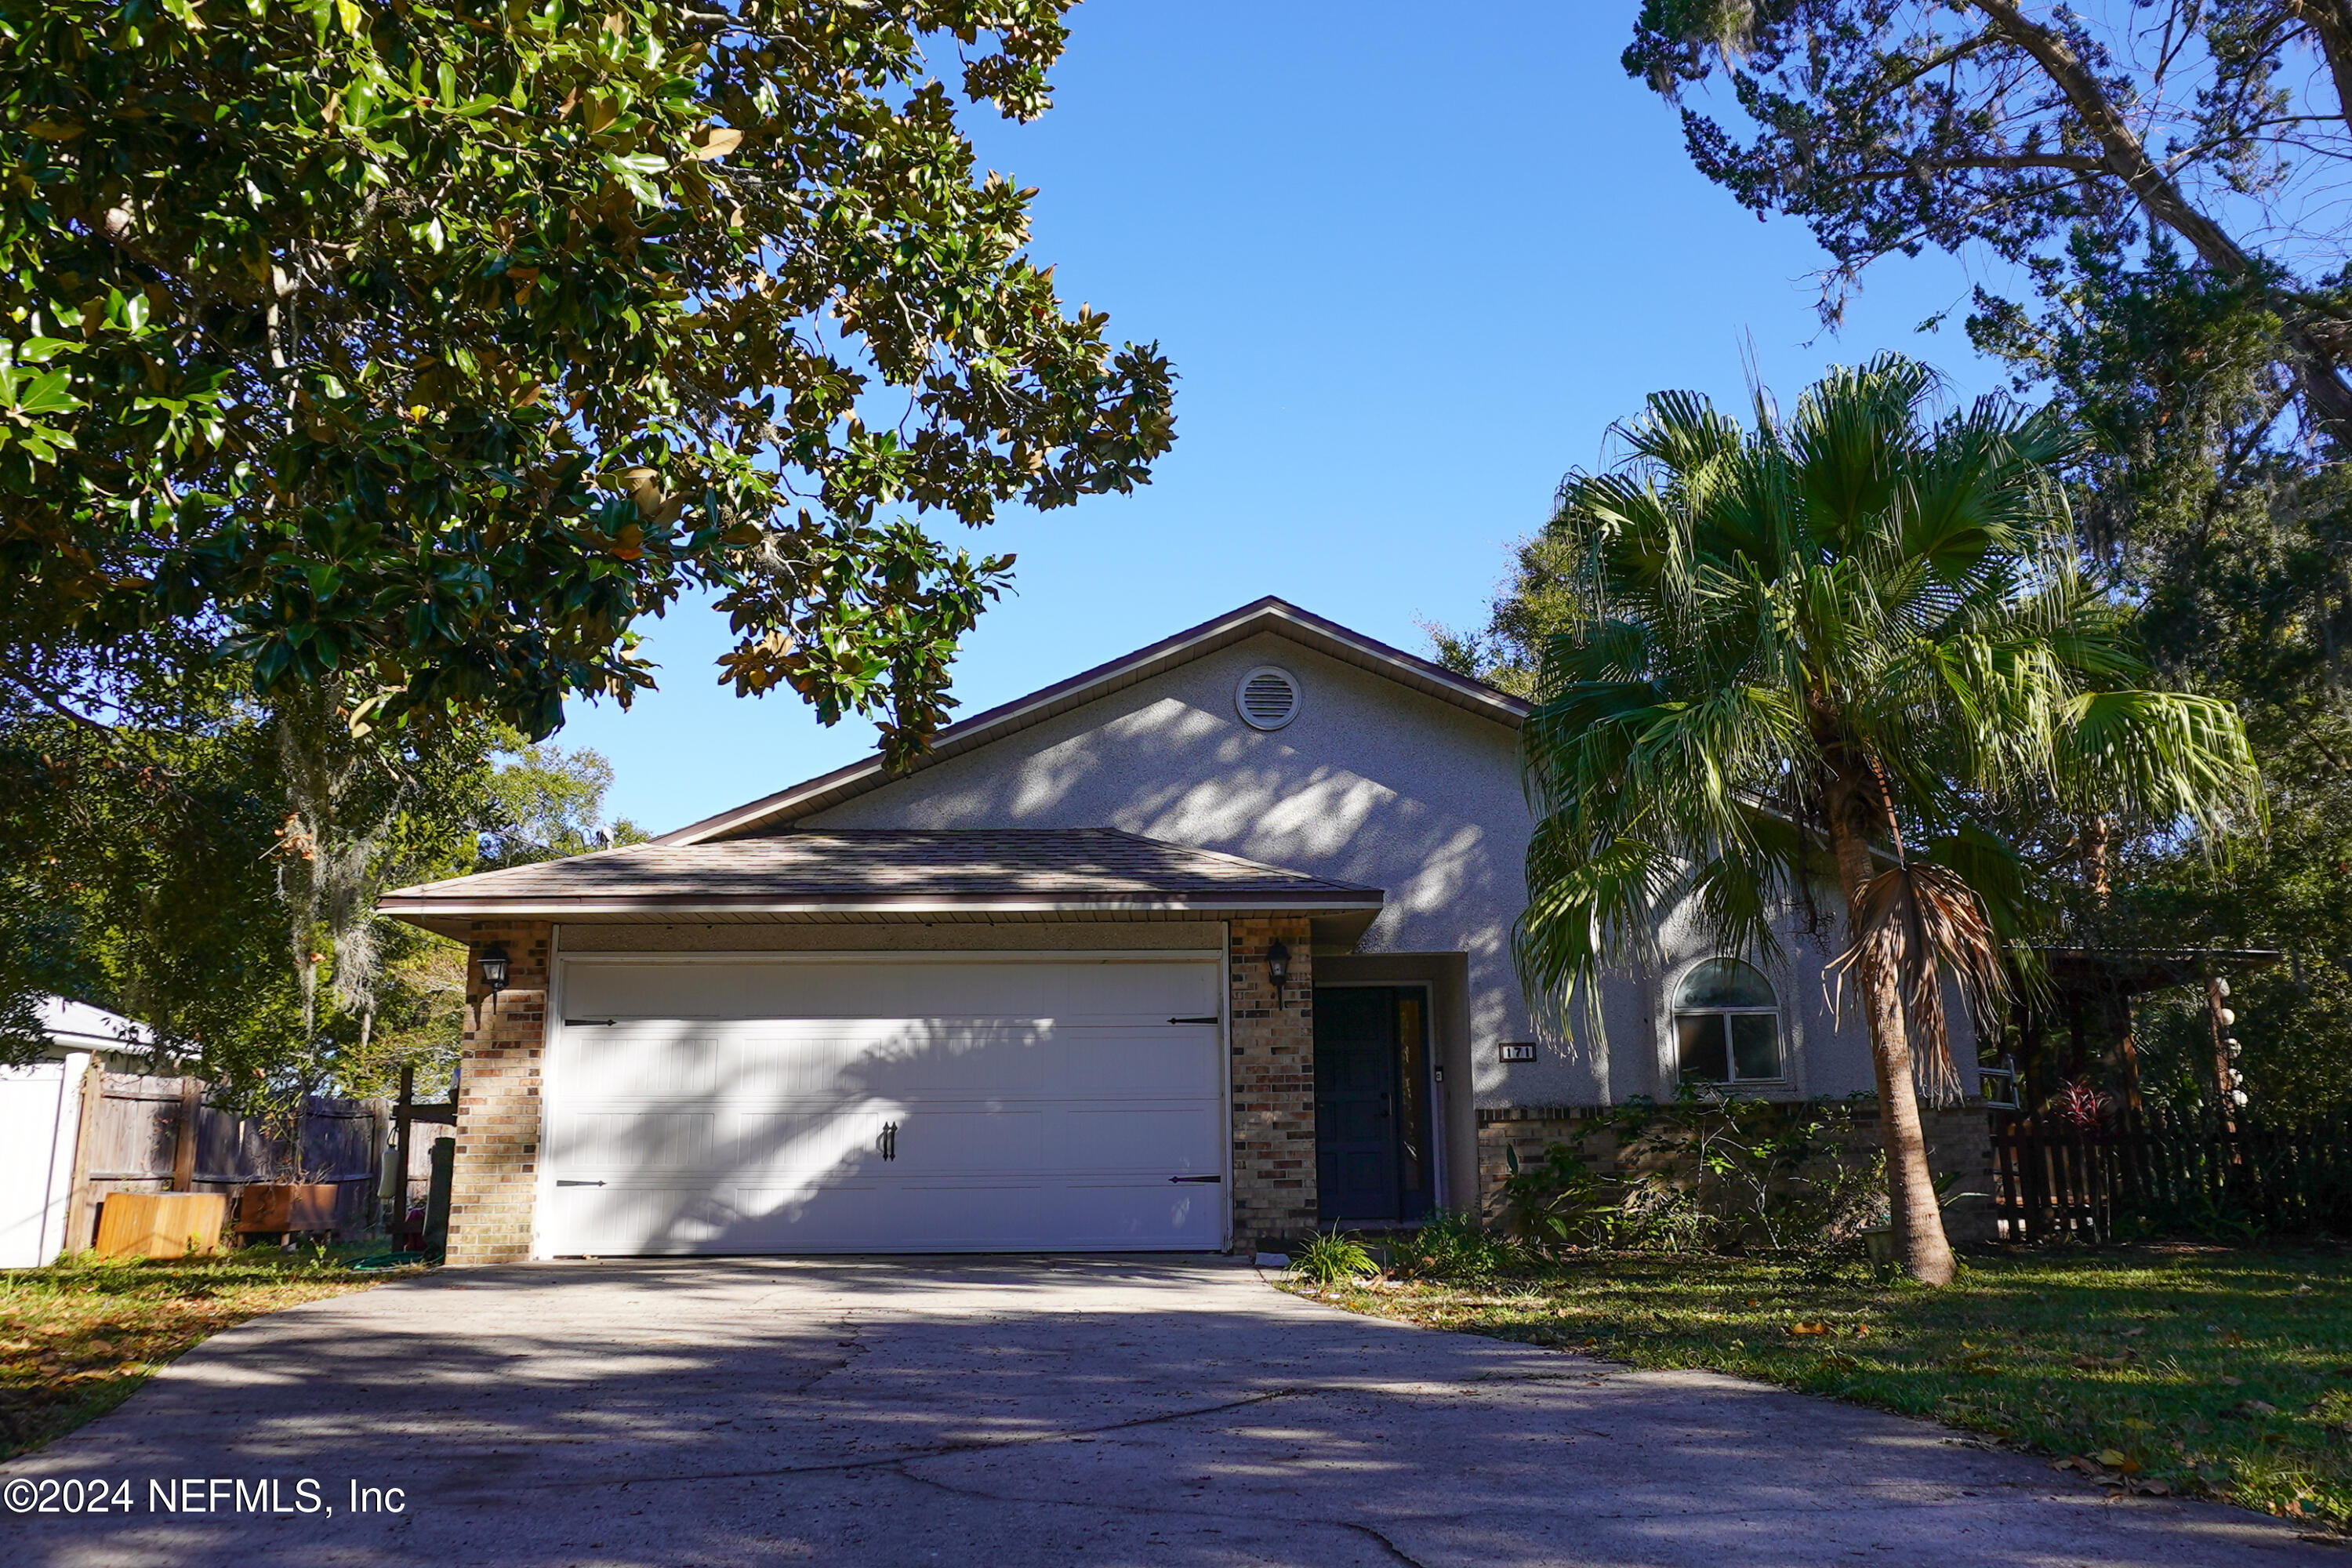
pixel 579 1184
pixel 1211 1018
pixel 889 1142
pixel 1196 1178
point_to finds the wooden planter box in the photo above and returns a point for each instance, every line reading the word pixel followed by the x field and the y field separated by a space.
pixel 160 1225
pixel 282 1208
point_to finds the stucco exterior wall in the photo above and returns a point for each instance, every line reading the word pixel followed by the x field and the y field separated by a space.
pixel 1372 783
pixel 1821 1052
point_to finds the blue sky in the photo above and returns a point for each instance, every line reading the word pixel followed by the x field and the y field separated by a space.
pixel 1410 262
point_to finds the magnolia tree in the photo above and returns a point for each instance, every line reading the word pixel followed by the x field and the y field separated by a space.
pixel 427 347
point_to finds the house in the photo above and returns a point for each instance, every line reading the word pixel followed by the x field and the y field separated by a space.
pixel 1209 945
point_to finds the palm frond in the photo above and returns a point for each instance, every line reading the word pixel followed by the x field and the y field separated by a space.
pixel 1860 586
pixel 1921 923
pixel 2167 757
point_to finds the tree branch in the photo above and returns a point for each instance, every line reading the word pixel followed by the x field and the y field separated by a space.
pixel 2083 166
pixel 2329 399
pixel 57 707
pixel 2331 20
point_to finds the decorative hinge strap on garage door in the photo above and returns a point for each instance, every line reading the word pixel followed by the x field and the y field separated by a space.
pixel 1210 1018
pixel 1196 1178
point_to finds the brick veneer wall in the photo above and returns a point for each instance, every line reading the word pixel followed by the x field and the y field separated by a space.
pixel 1273 1045
pixel 497 1179
pixel 1959 1142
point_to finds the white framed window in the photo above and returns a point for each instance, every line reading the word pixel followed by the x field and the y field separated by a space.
pixel 1727 1026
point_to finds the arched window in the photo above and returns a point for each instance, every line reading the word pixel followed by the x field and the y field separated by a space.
pixel 1726 1023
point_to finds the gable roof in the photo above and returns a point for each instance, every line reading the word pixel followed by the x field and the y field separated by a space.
pixel 1267 615
pixel 833 872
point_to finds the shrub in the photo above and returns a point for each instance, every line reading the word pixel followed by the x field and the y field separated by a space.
pixel 1560 1199
pixel 1451 1246
pixel 1710 1172
pixel 1331 1258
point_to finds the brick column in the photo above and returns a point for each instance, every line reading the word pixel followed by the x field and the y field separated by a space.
pixel 496 1183
pixel 1272 1066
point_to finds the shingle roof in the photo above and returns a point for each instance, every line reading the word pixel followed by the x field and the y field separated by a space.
pixel 1267 615
pixel 885 870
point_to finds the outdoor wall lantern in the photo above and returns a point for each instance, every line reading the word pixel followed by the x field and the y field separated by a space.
pixel 494 970
pixel 1277 968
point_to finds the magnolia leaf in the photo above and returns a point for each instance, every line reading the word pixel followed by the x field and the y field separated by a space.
pixel 441 517
pixel 717 142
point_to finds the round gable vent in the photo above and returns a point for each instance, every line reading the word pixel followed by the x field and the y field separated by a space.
pixel 1268 697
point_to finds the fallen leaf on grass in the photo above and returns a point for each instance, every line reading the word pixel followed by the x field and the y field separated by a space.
pixel 1806 1329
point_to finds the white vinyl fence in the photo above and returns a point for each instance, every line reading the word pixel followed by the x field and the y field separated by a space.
pixel 40 1110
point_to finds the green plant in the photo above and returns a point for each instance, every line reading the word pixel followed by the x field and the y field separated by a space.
pixel 1705 1173
pixel 433 347
pixel 1839 656
pixel 1331 1258
pixel 1452 1244
pixel 1557 1199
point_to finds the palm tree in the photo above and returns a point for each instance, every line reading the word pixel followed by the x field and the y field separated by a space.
pixel 1836 653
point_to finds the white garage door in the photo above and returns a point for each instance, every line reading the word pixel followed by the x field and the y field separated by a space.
pixel 972 1103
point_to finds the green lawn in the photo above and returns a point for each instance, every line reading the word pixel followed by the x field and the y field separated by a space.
pixel 77 1338
pixel 2225 1372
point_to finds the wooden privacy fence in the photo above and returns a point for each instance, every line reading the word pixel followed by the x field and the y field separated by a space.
pixel 147 1134
pixel 2163 1175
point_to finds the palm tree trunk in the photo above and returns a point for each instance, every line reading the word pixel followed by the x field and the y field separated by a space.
pixel 1910 1186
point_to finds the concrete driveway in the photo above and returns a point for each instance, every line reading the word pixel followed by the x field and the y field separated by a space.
pixel 993 1411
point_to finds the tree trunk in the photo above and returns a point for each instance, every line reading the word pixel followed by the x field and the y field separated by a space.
pixel 1910 1186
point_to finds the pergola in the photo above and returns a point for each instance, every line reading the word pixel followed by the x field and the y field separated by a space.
pixel 2089 998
